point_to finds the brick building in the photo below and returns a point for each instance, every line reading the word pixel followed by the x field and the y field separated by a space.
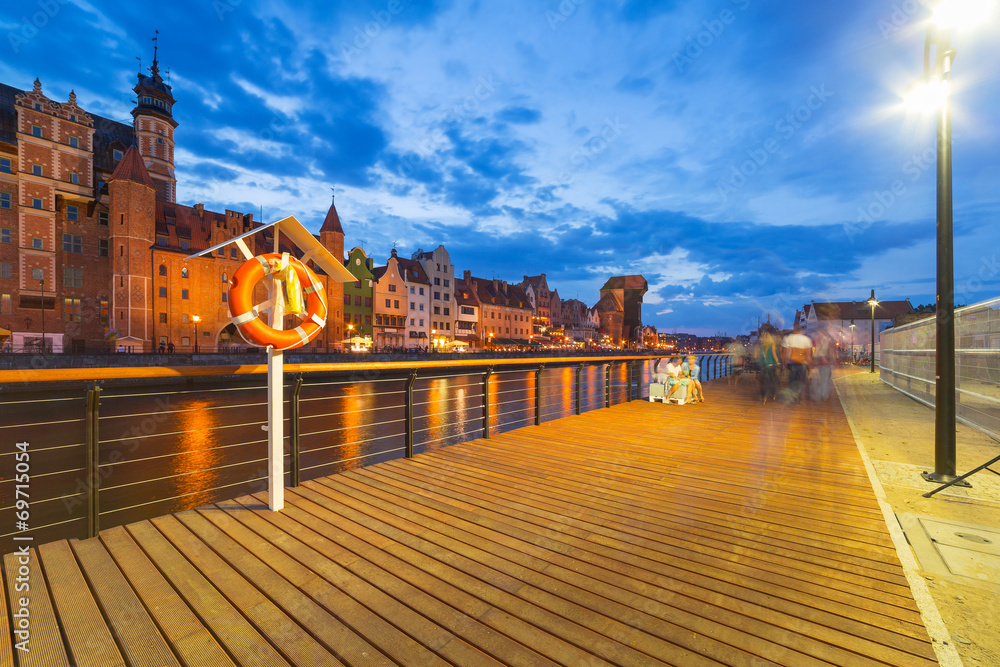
pixel 93 245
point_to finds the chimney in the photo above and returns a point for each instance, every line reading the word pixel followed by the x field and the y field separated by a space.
pixel 200 210
pixel 467 276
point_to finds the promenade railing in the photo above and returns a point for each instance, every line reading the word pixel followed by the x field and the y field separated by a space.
pixel 908 363
pixel 109 446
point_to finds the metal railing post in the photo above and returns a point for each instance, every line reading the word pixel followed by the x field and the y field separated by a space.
pixel 93 460
pixel 409 414
pixel 579 389
pixel 607 385
pixel 294 437
pixel 486 401
pixel 538 395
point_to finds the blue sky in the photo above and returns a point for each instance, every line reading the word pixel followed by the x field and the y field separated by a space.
pixel 727 150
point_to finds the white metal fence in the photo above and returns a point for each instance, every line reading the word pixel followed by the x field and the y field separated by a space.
pixel 908 363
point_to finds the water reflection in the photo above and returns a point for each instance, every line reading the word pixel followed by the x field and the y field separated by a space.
pixel 197 442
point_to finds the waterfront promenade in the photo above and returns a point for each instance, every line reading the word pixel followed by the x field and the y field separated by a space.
pixel 721 533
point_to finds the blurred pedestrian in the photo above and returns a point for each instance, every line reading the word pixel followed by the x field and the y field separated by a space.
pixel 824 356
pixel 796 351
pixel 768 359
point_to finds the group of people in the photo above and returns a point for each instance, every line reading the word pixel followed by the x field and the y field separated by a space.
pixel 681 379
pixel 799 354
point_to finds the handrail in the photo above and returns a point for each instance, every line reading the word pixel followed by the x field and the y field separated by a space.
pixel 148 372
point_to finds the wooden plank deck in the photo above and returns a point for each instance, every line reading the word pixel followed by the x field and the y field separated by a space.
pixel 725 533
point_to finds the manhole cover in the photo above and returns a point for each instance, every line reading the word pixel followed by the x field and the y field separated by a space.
pixel 951 547
pixel 978 539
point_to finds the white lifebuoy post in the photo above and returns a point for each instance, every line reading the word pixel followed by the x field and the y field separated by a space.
pixel 275 397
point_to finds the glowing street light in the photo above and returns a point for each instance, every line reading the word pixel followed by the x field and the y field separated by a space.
pixel 195 319
pixel 936 83
pixel 872 301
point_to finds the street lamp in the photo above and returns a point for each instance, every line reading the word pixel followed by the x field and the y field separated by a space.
pixel 872 301
pixel 491 341
pixel 935 87
pixel 195 319
pixel 433 340
pixel 852 340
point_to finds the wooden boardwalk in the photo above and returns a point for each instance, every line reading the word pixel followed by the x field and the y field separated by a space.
pixel 723 533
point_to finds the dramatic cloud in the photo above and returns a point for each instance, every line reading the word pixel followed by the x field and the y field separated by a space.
pixel 745 157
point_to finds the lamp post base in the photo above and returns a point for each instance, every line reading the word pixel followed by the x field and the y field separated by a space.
pixel 938 478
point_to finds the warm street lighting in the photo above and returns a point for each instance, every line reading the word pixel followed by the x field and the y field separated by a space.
pixel 948 14
pixel 433 340
pixel 852 340
pixel 196 319
pixel 872 301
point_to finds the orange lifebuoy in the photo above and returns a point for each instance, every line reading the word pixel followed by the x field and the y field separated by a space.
pixel 246 316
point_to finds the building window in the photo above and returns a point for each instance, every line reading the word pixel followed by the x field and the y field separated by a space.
pixel 437 310
pixel 437 296
pixel 395 303
pixel 421 291
pixel 74 142
pixel 413 306
pixel 368 302
pixel 36 243
pixel 4 200
pixel 4 304
pixel 186 341
pixel 163 292
pixel 184 318
pixel 184 245
pixel 184 294
pixel 117 154
pixel 161 240
pixel 347 299
pixel 437 281
pixel 5 235
pixel 447 297
pixel 421 306
pixel 184 272
pixel 163 318
pixel 221 252
pixel 6 166
pixel 72 310
pixel 225 297
pixel 102 218
pixel 468 310
pixel 447 311
pixel 74 178
pixel 72 243
pixel 36 131
pixel 357 318
pixel 387 303
pixel 357 284
pixel 163 269
pixel 368 320
pixel 72 213
pixel 72 277
pixel 36 202
pixel 36 169
pixel 103 312
pixel 392 288
pixel 447 283
pixel 5 270
pixel 232 253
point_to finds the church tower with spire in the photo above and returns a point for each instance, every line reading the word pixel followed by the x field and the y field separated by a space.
pixel 154 125
pixel 331 235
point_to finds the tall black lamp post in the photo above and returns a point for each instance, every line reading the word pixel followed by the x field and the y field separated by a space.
pixel 872 301
pixel 852 340
pixel 935 88
pixel 196 320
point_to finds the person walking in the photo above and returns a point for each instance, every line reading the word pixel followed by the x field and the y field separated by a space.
pixel 824 355
pixel 768 359
pixel 797 354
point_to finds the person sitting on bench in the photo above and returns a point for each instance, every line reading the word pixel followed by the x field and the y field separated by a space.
pixel 692 370
pixel 677 382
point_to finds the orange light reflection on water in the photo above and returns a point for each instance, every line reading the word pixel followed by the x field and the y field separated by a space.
pixel 197 445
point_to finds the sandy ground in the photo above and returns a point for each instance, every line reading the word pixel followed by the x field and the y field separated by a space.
pixel 897 433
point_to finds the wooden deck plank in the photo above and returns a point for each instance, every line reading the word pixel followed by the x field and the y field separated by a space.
pixel 6 645
pixel 135 632
pixel 520 547
pixel 191 641
pixel 435 626
pixel 36 633
pixel 327 612
pixel 232 631
pixel 88 640
pixel 720 534
pixel 275 624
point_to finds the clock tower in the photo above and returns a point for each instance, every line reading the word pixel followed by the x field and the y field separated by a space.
pixel 154 125
pixel 132 224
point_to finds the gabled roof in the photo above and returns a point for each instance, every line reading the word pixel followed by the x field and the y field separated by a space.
pixel 332 221
pixel 626 282
pixel 464 295
pixel 132 168
pixel 412 271
pixel 379 271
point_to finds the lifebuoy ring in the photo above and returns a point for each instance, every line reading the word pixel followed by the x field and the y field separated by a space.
pixel 246 316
